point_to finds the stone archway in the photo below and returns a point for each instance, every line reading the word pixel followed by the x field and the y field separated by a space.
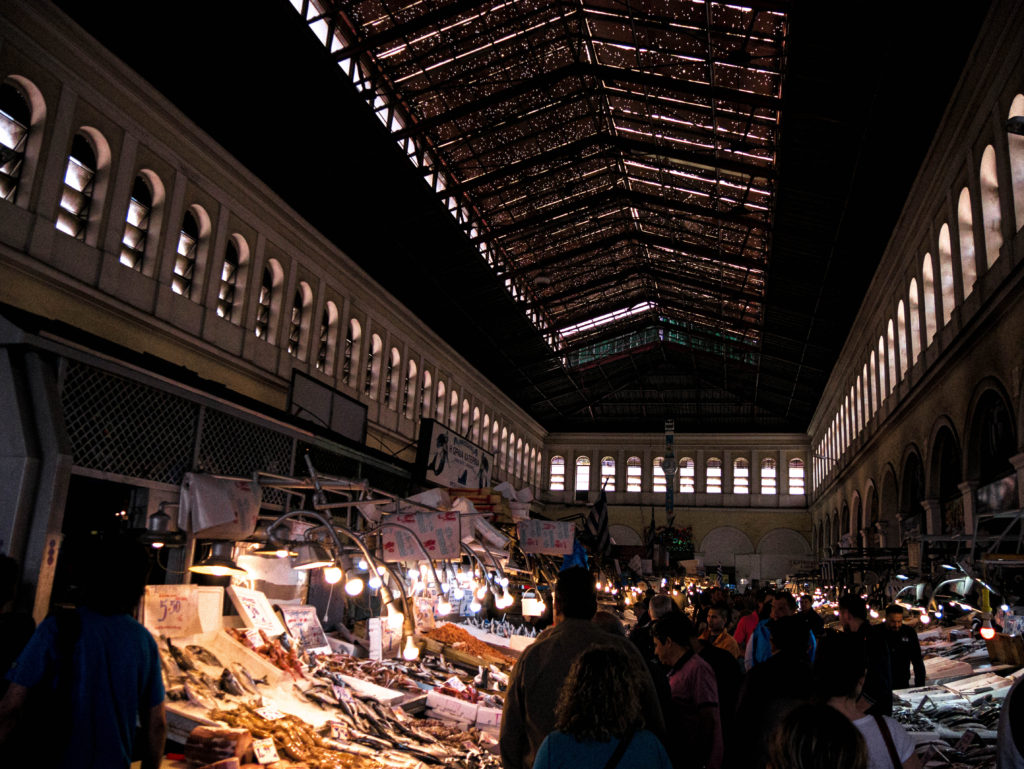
pixel 944 479
pixel 621 534
pixel 991 441
pixel 778 549
pixel 723 544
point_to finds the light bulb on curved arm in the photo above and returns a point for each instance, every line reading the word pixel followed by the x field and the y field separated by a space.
pixel 473 556
pixel 333 530
pixel 416 539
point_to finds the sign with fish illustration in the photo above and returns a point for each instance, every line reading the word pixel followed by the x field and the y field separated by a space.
pixel 439 533
pixel 448 459
pixel 171 610
pixel 303 623
pixel 546 537
pixel 255 610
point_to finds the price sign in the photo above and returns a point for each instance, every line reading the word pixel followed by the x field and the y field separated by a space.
pixel 265 751
pixel 271 714
pixel 255 610
pixel 439 533
pixel 172 610
pixel 546 537
pixel 337 730
pixel 303 623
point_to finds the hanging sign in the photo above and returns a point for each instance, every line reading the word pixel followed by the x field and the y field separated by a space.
pixel 255 610
pixel 447 459
pixel 172 610
pixel 439 533
pixel 546 537
pixel 303 623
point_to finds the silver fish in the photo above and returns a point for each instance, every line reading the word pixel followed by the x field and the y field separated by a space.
pixel 181 657
pixel 230 684
pixel 203 654
pixel 244 678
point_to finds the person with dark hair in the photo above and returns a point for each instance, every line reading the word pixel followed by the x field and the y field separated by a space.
pixel 904 649
pixel 810 616
pixel 717 635
pixel 91 674
pixel 537 678
pixel 839 674
pixel 759 647
pixel 748 622
pixel 816 737
pixel 694 728
pixel 598 718
pixel 607 620
pixel 16 627
pixel 853 614
pixel 658 607
pixel 772 688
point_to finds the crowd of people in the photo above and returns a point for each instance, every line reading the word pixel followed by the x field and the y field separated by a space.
pixel 728 682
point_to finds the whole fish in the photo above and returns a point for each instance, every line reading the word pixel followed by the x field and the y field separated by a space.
pixel 197 697
pixel 204 655
pixel 181 657
pixel 230 684
pixel 244 678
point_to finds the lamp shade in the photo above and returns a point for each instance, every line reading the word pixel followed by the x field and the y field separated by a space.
pixel 219 562
pixel 311 555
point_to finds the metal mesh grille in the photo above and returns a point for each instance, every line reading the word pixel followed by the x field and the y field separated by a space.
pixel 232 446
pixel 119 426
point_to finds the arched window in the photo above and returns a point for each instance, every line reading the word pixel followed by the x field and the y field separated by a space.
pixel 873 375
pixel 1015 144
pixel 373 354
pixel 915 322
pixel 327 338
pixel 535 467
pixel 883 391
pixel 713 475
pixel 946 274
pixel 503 449
pixel 687 476
pixel 272 275
pixel 796 476
pixel 891 339
pixel 556 474
pixel 965 226
pixel 901 324
pixel 136 225
pixel 634 475
pixel 79 179
pixel 391 369
pixel 855 402
pixel 658 484
pixel 453 410
pixel 928 284
pixel 475 432
pixel 485 429
pixel 185 256
pixel 511 453
pixel 768 480
pixel 494 436
pixel 990 216
pixel 865 393
pixel 234 257
pixel 519 458
pixel 582 473
pixel 608 473
pixel 409 391
pixel 740 476
pixel 464 428
pixel 352 340
pixel 15 118
pixel 298 320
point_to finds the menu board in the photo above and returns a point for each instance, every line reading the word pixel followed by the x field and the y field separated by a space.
pixel 438 532
pixel 546 537
pixel 303 623
pixel 255 610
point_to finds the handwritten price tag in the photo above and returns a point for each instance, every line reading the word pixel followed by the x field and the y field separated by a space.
pixel 265 751
pixel 546 537
pixel 271 714
pixel 172 610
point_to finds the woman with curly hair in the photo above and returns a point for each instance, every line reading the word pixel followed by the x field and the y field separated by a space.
pixel 598 722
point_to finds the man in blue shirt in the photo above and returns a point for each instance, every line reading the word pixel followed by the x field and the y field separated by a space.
pixel 92 674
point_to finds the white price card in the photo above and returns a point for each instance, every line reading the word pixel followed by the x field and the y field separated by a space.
pixel 546 537
pixel 269 713
pixel 172 610
pixel 439 533
pixel 303 623
pixel 255 610
pixel 265 751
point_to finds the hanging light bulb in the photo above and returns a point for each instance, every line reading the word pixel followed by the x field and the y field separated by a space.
pixel 475 605
pixel 410 651
pixel 443 606
pixel 506 599
pixel 375 582
pixel 987 631
pixel 503 581
pixel 353 583
pixel 413 574
pixel 332 575
pixel 598 586
pixel 874 614
pixel 480 592
pixel 362 565
pixel 457 592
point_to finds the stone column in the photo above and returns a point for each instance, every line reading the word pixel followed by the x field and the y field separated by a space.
pixel 932 516
pixel 1018 465
pixel 967 489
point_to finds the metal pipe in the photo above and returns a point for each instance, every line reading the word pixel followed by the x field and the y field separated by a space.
pixel 426 555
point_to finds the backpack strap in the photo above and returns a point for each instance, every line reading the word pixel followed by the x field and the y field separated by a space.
pixel 620 749
pixel 887 736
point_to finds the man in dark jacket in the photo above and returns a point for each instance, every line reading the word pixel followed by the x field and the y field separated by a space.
pixel 853 614
pixel 904 649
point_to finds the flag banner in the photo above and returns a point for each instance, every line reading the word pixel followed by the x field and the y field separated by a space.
pixel 597 525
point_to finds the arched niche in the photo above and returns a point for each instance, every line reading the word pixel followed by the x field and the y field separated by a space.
pixel 722 544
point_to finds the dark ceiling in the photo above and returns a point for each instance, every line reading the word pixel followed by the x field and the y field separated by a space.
pixel 663 209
